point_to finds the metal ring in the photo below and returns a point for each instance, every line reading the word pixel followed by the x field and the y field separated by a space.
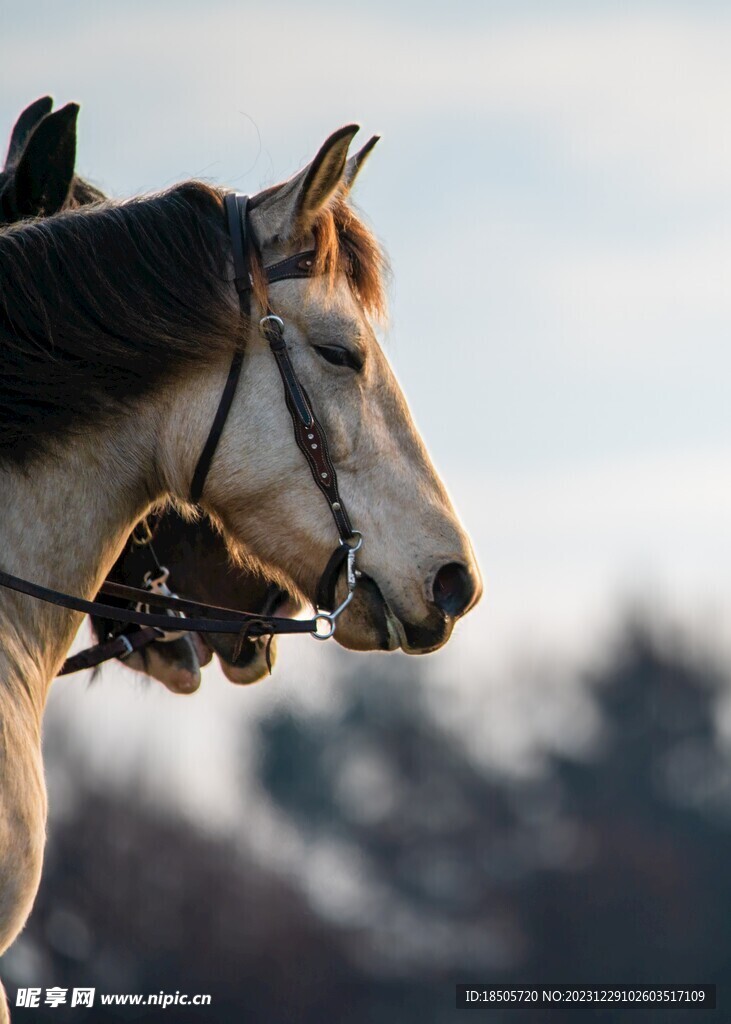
pixel 271 316
pixel 358 544
pixel 330 619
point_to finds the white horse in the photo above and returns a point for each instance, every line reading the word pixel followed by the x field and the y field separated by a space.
pixel 117 327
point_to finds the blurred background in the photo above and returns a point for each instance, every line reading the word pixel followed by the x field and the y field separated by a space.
pixel 549 798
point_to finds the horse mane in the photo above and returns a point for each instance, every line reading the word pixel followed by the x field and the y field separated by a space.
pixel 83 193
pixel 104 305
pixel 344 243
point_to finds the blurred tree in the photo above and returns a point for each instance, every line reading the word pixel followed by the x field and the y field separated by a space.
pixel 609 869
pixel 646 895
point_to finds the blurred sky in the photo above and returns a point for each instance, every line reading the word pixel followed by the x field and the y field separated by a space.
pixel 553 189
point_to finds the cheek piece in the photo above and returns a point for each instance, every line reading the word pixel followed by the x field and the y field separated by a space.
pixel 308 432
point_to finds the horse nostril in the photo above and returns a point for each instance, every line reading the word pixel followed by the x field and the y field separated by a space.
pixel 453 589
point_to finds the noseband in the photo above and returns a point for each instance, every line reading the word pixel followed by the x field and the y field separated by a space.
pixel 312 441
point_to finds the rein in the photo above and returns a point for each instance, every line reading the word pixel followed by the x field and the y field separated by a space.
pixel 311 440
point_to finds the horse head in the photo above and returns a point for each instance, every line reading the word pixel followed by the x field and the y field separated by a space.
pixel 418 573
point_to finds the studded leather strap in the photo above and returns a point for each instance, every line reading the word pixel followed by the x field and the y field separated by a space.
pixel 308 432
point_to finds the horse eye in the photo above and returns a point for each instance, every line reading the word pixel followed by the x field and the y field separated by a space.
pixel 339 356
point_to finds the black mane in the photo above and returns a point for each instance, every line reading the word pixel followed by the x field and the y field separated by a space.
pixel 100 307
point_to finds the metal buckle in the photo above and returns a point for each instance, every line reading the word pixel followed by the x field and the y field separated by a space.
pixel 272 327
pixel 275 319
pixel 351 571
pixel 129 648
pixel 158 585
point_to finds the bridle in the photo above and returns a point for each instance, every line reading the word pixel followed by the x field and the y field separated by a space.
pixel 311 440
pixel 308 432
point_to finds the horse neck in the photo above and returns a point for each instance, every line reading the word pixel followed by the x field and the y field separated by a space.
pixel 65 521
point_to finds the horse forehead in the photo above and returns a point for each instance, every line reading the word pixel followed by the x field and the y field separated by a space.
pixel 335 320
pixel 319 311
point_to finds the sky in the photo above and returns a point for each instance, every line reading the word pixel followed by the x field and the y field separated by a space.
pixel 552 187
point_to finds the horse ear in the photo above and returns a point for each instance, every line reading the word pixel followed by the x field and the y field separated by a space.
pixel 45 170
pixel 355 163
pixel 289 211
pixel 323 175
pixel 25 125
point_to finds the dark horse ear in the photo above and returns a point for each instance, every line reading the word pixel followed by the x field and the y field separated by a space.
pixel 25 125
pixel 45 170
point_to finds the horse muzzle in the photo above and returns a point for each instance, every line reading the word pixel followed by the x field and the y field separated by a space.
pixel 373 623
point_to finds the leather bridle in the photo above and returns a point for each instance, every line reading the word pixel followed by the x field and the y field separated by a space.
pixel 312 441
pixel 309 434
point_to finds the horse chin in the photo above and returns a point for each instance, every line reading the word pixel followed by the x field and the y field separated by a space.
pixel 251 666
pixel 181 676
pixel 367 624
pixel 425 638
pixel 370 624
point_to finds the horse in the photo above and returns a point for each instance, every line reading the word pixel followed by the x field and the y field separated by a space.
pixel 119 328
pixel 39 179
pixel 201 566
